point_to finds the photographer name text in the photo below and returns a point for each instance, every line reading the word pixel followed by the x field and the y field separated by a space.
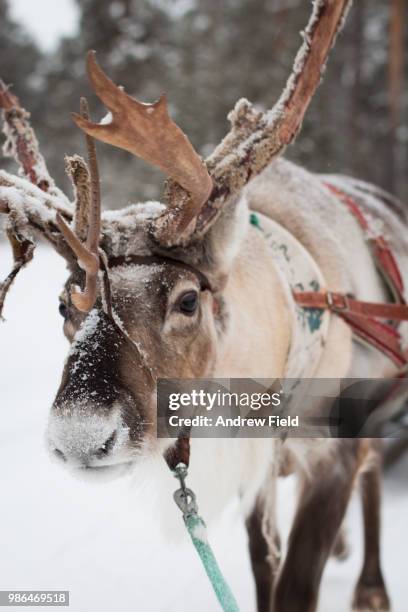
pixel 238 421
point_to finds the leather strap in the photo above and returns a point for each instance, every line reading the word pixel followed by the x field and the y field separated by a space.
pixel 179 452
pixel 381 251
pixel 361 316
pixel 381 336
pixel 341 303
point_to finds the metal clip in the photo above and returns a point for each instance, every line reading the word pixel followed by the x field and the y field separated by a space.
pixel 186 501
pixel 180 472
pixel 184 497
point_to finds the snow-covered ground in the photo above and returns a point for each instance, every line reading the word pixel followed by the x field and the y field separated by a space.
pixel 60 533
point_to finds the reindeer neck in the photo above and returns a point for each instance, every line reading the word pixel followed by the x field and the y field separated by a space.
pixel 258 325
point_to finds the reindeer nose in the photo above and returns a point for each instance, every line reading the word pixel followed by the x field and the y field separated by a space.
pixel 83 442
pixel 107 446
pixel 103 451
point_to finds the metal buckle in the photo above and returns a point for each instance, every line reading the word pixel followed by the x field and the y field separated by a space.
pixel 344 306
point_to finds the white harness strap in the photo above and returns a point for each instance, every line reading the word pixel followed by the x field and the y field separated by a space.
pixel 298 272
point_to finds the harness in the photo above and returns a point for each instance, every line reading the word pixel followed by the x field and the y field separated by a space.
pixel 373 323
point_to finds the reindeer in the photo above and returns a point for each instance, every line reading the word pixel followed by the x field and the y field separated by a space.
pixel 191 290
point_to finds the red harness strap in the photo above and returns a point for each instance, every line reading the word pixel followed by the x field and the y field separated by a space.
pixel 363 316
pixel 383 256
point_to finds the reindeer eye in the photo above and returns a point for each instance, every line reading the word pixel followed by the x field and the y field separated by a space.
pixel 63 310
pixel 188 302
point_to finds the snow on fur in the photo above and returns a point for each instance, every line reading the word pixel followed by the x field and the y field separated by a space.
pixel 125 229
pixel 86 330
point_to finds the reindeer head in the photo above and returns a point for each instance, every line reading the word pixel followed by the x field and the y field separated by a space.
pixel 153 303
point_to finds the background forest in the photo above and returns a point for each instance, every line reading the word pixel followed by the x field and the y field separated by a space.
pixel 206 54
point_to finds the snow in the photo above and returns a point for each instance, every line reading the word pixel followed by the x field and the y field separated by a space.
pixel 57 532
pixel 135 212
pixel 125 229
pixel 12 196
pixel 85 332
pixel 199 531
pixel 13 188
pixel 107 119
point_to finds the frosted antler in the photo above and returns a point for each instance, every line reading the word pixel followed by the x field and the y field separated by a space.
pixel 30 203
pixel 21 143
pixel 87 254
pixel 256 138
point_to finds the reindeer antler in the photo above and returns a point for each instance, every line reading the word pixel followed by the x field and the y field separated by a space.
pixel 88 254
pixel 253 141
pixel 30 203
pixel 147 131
pixel 21 143
pixel 256 138
pixel 41 205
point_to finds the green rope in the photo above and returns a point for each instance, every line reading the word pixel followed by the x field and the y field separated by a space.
pixel 185 499
pixel 198 532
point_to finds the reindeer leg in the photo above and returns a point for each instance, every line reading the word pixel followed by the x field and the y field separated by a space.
pixel 260 554
pixel 341 549
pixel 370 593
pixel 322 504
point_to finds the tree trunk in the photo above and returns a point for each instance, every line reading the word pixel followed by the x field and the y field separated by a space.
pixel 395 86
pixel 356 108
